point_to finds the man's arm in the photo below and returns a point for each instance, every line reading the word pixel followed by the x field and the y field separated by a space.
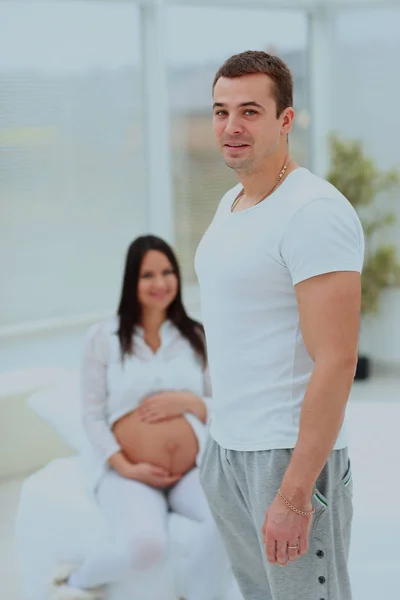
pixel 329 308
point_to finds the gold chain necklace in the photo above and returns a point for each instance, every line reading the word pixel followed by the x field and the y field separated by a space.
pixel 277 182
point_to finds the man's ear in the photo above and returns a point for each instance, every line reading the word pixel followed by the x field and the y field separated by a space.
pixel 287 121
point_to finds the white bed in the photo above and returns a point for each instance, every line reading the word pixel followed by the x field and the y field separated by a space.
pixel 58 522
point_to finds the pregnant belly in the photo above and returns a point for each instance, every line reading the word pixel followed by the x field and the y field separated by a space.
pixel 170 444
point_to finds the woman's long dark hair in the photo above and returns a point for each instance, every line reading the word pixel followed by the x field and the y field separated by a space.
pixel 129 310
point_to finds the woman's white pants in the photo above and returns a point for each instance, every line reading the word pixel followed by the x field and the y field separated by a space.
pixel 137 515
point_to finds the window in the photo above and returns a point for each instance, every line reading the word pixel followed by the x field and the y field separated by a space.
pixel 71 176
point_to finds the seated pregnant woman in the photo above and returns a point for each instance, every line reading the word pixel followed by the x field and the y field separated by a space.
pixel 145 391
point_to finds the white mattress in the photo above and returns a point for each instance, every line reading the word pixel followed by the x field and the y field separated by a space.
pixel 57 522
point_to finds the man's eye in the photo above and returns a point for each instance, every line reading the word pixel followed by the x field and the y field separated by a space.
pixel 250 112
pixel 221 113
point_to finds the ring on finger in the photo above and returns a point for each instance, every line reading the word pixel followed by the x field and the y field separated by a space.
pixel 296 547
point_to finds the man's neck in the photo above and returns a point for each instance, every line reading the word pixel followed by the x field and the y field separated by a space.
pixel 259 183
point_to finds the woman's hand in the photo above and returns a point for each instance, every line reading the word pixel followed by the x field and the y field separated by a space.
pixel 163 406
pixel 156 477
pixel 145 473
pixel 121 465
pixel 169 405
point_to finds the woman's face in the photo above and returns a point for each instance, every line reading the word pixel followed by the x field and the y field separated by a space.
pixel 158 283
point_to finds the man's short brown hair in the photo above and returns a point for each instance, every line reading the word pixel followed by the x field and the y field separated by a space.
pixel 252 62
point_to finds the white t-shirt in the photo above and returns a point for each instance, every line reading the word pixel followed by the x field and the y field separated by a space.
pixel 248 263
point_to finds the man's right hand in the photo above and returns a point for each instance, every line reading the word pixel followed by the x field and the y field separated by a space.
pixel 149 474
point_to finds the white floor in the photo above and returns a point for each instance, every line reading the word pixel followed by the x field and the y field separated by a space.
pixel 374 423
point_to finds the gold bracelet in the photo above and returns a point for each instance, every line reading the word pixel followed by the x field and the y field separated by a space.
pixel 294 509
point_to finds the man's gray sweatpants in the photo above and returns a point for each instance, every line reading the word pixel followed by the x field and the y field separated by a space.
pixel 240 486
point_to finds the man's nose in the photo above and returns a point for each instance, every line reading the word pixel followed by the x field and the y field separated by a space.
pixel 233 126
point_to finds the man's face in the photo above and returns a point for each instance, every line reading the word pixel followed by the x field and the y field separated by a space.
pixel 245 121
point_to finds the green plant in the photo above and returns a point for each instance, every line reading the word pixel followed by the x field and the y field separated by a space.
pixel 361 181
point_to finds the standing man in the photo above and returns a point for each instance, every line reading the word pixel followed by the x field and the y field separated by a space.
pixel 279 271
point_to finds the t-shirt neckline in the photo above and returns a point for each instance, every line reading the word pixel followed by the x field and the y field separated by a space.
pixel 277 191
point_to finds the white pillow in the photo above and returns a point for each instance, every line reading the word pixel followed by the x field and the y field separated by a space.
pixel 59 406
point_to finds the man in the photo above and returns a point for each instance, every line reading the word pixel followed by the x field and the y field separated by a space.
pixel 279 272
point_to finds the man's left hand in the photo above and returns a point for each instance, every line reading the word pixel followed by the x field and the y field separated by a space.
pixel 162 406
pixel 283 528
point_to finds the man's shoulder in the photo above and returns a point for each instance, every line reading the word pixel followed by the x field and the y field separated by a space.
pixel 312 187
pixel 314 191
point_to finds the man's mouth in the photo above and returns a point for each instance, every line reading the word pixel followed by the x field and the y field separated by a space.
pixel 236 145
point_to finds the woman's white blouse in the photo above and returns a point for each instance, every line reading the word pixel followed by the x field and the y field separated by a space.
pixel 111 389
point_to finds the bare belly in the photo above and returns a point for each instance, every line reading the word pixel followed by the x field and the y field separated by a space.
pixel 170 444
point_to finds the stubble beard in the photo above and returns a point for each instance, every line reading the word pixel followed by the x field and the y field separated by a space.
pixel 251 164
pixel 246 165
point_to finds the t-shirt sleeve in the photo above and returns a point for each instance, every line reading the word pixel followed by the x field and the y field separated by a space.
pixel 324 236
